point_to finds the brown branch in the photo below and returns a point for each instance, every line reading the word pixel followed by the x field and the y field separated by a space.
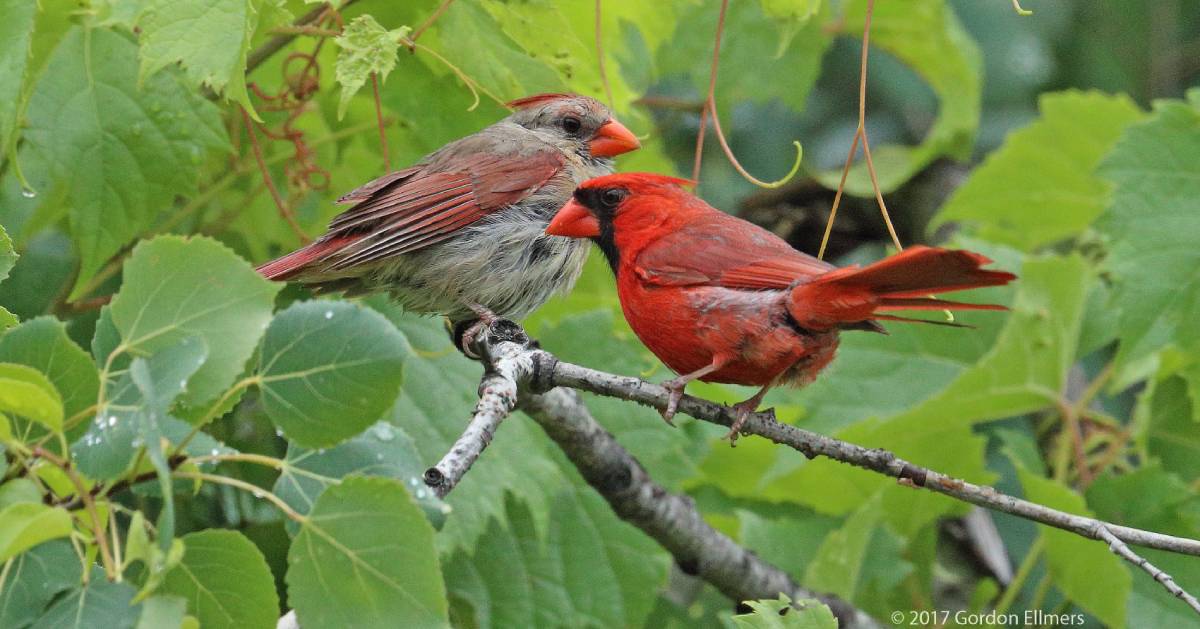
pixel 383 144
pixel 416 34
pixel 670 519
pixel 277 43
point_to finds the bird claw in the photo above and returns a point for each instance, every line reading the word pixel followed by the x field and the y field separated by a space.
pixel 675 388
pixel 743 411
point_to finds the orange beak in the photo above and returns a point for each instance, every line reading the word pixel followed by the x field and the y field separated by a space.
pixel 574 221
pixel 612 138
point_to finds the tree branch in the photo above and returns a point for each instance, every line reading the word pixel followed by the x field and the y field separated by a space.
pixel 672 520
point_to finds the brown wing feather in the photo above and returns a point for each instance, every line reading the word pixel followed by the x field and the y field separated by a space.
pixel 724 251
pixel 427 206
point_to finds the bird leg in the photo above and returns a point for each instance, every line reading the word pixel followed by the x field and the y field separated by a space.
pixel 676 386
pixel 743 410
pixel 467 338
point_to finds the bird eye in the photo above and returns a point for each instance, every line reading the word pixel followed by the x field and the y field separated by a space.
pixel 612 197
pixel 571 124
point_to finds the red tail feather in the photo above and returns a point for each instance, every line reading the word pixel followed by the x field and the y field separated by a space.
pixel 902 282
pixel 290 265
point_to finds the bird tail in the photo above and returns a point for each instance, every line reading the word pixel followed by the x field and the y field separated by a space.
pixel 905 281
pixel 297 262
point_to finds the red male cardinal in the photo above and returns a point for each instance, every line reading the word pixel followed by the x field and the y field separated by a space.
pixel 722 300
pixel 462 232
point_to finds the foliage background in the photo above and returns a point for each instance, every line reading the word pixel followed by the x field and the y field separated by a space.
pixel 1065 145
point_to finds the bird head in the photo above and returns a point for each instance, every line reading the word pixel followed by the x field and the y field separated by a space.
pixel 625 210
pixel 574 122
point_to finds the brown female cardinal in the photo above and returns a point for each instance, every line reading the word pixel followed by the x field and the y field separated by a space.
pixel 461 233
pixel 719 299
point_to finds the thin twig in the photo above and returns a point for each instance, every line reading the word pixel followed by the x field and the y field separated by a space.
pixel 383 145
pixel 600 56
pixel 266 175
pixel 1123 551
pixel 416 34
pixel 277 43
pixel 860 135
pixel 89 505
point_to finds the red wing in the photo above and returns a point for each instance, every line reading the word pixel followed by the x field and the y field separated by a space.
pixel 420 206
pixel 725 252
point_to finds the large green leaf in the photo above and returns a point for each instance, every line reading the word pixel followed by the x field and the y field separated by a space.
pixel 1040 187
pixel 1027 368
pixel 927 37
pixel 328 370
pixel 27 392
pixel 16 34
pixel 43 344
pixel 381 450
pixel 34 578
pixel 225 581
pixel 592 569
pixel 1171 435
pixel 209 38
pixel 493 59
pixel 99 603
pixel 8 258
pixel 135 411
pixel 365 557
pixel 1154 215
pixel 118 154
pixel 179 287
pixel 24 525
pixel 1084 570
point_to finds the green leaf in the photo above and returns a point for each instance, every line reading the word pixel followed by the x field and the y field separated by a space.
pixel 19 490
pixel 179 287
pixel 589 566
pixel 927 37
pixel 27 392
pixel 381 450
pixel 1027 368
pixel 8 257
pixel 34 578
pixel 790 542
pixel 493 59
pixel 779 614
pixel 1084 570
pixel 328 370
pixel 162 612
pixel 838 564
pixel 16 35
pixel 1171 435
pixel 24 525
pixel 1151 222
pixel 1039 187
pixel 209 38
pixel 365 556
pixel 366 48
pixel 43 344
pixel 99 603
pixel 135 413
pixel 117 155
pixel 225 580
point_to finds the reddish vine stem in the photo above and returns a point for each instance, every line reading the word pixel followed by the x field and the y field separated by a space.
pixel 600 56
pixel 416 34
pixel 860 134
pixel 266 175
pixel 383 143
pixel 710 107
